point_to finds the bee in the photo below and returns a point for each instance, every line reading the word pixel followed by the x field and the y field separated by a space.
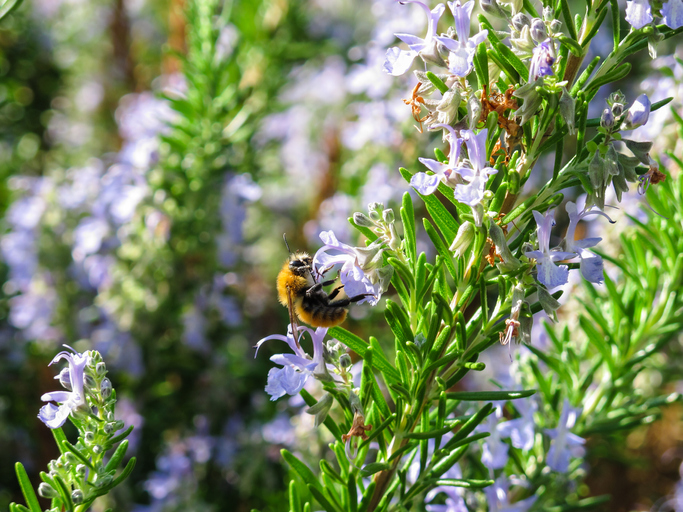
pixel 305 298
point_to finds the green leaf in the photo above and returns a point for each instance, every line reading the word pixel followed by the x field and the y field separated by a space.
pixel 27 488
pixel 467 484
pixel 60 437
pixel 573 46
pixel 294 497
pixel 616 22
pixel 612 76
pixel 440 247
pixel 302 470
pixel 597 24
pixel 513 60
pixel 568 21
pixel 119 437
pixel 481 66
pixel 117 457
pixel 65 494
pixel 374 467
pixel 353 493
pixel 398 322
pixel 367 496
pixel 481 396
pixel 403 271
pixel 470 425
pixel 438 83
pixel 442 217
pixel 124 474
pixel 8 6
pixel 431 434
pixel 583 78
pixel 408 218
pixel 322 499
pixel 359 347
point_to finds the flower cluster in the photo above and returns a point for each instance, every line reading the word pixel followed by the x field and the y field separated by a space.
pixel 80 474
pixel 552 275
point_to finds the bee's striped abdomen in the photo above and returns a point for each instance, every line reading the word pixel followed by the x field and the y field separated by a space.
pixel 319 314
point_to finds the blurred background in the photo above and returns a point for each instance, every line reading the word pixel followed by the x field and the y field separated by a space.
pixel 152 154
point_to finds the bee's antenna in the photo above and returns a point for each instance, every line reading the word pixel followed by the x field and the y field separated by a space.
pixel 284 236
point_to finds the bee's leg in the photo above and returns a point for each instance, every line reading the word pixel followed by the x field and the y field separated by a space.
pixel 317 288
pixel 345 302
pixel 335 292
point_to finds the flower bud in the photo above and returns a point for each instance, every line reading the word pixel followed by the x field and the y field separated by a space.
pixel 105 388
pixel 89 381
pixel 81 469
pixel 607 119
pixel 94 357
pixel 463 239
pixel 108 428
pixel 538 30
pixel 388 216
pixel 362 220
pixel 491 7
pixel 77 496
pixel 89 437
pixel 345 361
pixel 520 20
pixel 101 369
pixel 548 13
pixel 638 113
pixel 45 490
pixel 555 26
pixel 65 379
pixel 97 449
pixel 548 302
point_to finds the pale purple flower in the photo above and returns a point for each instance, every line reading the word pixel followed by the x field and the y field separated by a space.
pixel 564 444
pixel 461 52
pixel 498 500
pixel 521 431
pixel 638 13
pixel 360 272
pixel 638 113
pixel 54 416
pixel 398 61
pixel 673 13
pixel 478 174
pixel 549 274
pixel 426 184
pixel 591 264
pixel 542 60
pixel 454 495
pixel 296 367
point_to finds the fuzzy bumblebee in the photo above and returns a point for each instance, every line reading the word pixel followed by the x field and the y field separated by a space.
pixel 306 299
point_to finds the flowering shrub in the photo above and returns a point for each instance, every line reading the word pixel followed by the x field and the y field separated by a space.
pixel 153 234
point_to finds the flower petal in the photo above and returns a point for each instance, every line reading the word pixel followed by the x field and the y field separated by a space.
pixel 398 61
pixel 424 183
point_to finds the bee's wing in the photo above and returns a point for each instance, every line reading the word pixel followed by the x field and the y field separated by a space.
pixel 292 317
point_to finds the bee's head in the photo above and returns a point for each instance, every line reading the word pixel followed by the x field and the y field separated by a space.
pixel 300 263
